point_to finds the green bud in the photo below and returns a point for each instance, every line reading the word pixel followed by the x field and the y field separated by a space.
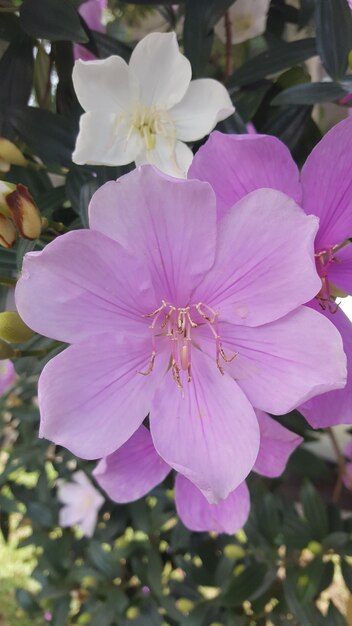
pixel 13 329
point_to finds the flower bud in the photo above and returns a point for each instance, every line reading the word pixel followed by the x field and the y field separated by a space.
pixel 24 212
pixel 13 329
pixel 10 155
pixel 7 232
pixel 6 352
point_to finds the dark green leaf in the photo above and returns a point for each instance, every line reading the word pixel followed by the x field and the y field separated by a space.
pixel 243 586
pixel 41 513
pixel 103 560
pixel 58 20
pixel 60 612
pixel 273 60
pixel 346 570
pixel 26 601
pixel 197 37
pixel 16 73
pixel 50 136
pixel 310 93
pixel 107 45
pixel 334 35
pixel 314 511
pixel 306 615
pixel 334 617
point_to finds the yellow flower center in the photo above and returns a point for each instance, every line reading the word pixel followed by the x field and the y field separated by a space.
pixel 150 122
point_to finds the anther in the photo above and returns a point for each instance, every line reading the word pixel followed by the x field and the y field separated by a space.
pixel 219 366
pixel 226 358
pixel 150 366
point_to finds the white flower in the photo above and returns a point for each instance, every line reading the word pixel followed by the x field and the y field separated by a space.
pixel 81 503
pixel 144 111
pixel 247 19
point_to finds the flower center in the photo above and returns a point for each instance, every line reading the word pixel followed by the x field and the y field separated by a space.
pixel 243 22
pixel 323 260
pixel 178 326
pixel 150 122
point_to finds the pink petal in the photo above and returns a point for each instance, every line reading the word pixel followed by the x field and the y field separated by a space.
pixel 82 284
pixel 334 407
pixel 227 516
pixel 276 446
pixel 265 264
pixel 327 185
pixel 7 375
pixel 91 396
pixel 235 165
pixel 133 470
pixel 211 434
pixel 167 223
pixel 340 271
pixel 283 364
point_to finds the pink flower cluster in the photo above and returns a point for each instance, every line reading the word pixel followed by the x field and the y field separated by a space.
pixel 202 304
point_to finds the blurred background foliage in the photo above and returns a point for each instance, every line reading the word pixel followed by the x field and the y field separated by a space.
pixel 292 563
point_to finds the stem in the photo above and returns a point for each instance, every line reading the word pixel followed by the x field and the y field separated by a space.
pixel 42 352
pixel 7 282
pixel 341 463
pixel 228 46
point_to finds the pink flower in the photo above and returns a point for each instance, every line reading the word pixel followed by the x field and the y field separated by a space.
pixel 7 375
pixel 81 503
pixel 177 315
pixel 237 164
pixel 136 468
pixel 91 11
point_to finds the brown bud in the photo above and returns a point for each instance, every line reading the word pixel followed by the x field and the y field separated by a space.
pixel 24 212
pixel 8 232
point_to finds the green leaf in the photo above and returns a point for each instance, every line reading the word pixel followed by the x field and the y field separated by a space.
pixel 243 586
pixel 310 93
pixel 103 560
pixel 334 617
pixel 57 20
pixel 314 511
pixel 26 601
pixel 307 615
pixel 107 45
pixel 197 37
pixel 41 513
pixel 61 612
pixel 16 73
pixel 346 570
pixel 333 21
pixel 49 136
pixel 277 58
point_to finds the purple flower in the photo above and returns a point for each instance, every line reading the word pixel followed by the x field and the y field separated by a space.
pixel 237 164
pixel 175 314
pixel 91 11
pixel 133 470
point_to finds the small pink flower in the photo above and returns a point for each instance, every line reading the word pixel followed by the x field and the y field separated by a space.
pixel 81 503
pixel 177 315
pixel 237 164
pixel 133 470
pixel 7 375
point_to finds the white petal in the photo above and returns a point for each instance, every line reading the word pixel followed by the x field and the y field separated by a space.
pixel 88 523
pixel 247 19
pixel 206 103
pixel 69 515
pixel 102 85
pixel 160 73
pixel 105 139
pixel 172 158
